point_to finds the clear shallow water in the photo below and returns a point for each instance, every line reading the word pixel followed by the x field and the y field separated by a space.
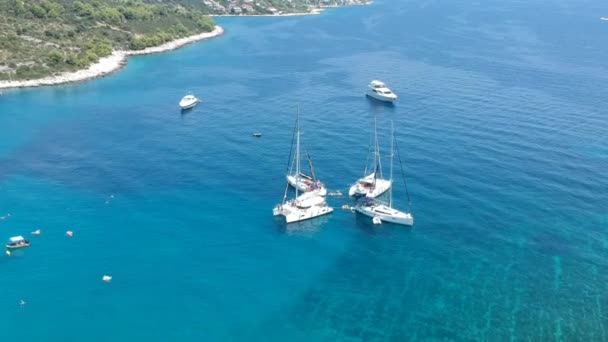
pixel 501 123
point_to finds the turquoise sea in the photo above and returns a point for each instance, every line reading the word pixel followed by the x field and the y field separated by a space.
pixel 502 124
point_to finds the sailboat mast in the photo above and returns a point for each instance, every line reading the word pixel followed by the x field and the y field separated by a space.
pixel 297 149
pixel 390 189
pixel 377 162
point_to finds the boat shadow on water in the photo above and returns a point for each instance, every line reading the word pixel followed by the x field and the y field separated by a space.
pixel 186 111
pixel 303 228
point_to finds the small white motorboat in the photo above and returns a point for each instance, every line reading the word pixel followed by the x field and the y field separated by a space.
pixel 188 102
pixel 379 91
pixel 17 242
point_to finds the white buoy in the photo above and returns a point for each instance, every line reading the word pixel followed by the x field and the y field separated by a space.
pixel 106 278
pixel 69 233
pixel 36 232
pixel 8 253
pixel 377 220
pixel 22 302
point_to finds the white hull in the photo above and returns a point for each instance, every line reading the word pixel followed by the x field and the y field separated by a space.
pixel 304 184
pixel 309 199
pixel 386 214
pixel 363 187
pixel 380 97
pixel 188 102
pixel 293 213
pixel 308 205
pixel 188 106
pixel 379 91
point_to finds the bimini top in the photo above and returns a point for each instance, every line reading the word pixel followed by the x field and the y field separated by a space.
pixel 17 238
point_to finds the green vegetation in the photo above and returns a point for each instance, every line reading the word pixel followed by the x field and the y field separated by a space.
pixel 43 37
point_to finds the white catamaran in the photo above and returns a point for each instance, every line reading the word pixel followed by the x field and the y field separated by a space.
pixel 385 212
pixel 373 184
pixel 305 206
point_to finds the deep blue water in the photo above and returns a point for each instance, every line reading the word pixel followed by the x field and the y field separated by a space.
pixel 502 127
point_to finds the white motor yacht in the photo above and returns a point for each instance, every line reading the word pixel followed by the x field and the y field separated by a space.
pixel 380 91
pixel 188 101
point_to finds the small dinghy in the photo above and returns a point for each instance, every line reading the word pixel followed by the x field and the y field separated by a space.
pixel 17 242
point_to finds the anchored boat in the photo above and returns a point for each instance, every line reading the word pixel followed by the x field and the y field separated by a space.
pixel 309 205
pixel 379 91
pixel 188 102
pixel 385 212
pixel 373 183
pixel 17 242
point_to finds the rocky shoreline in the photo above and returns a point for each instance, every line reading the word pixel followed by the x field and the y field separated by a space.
pixel 109 64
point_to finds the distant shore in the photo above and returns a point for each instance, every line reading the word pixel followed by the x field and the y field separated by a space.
pixel 314 11
pixel 109 64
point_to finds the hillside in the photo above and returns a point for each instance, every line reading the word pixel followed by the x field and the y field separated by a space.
pixel 39 38
pixel 42 37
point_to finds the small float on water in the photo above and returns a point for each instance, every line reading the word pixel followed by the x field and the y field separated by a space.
pixel 17 242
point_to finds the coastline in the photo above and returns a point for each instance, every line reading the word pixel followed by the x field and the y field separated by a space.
pixel 315 11
pixel 109 64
